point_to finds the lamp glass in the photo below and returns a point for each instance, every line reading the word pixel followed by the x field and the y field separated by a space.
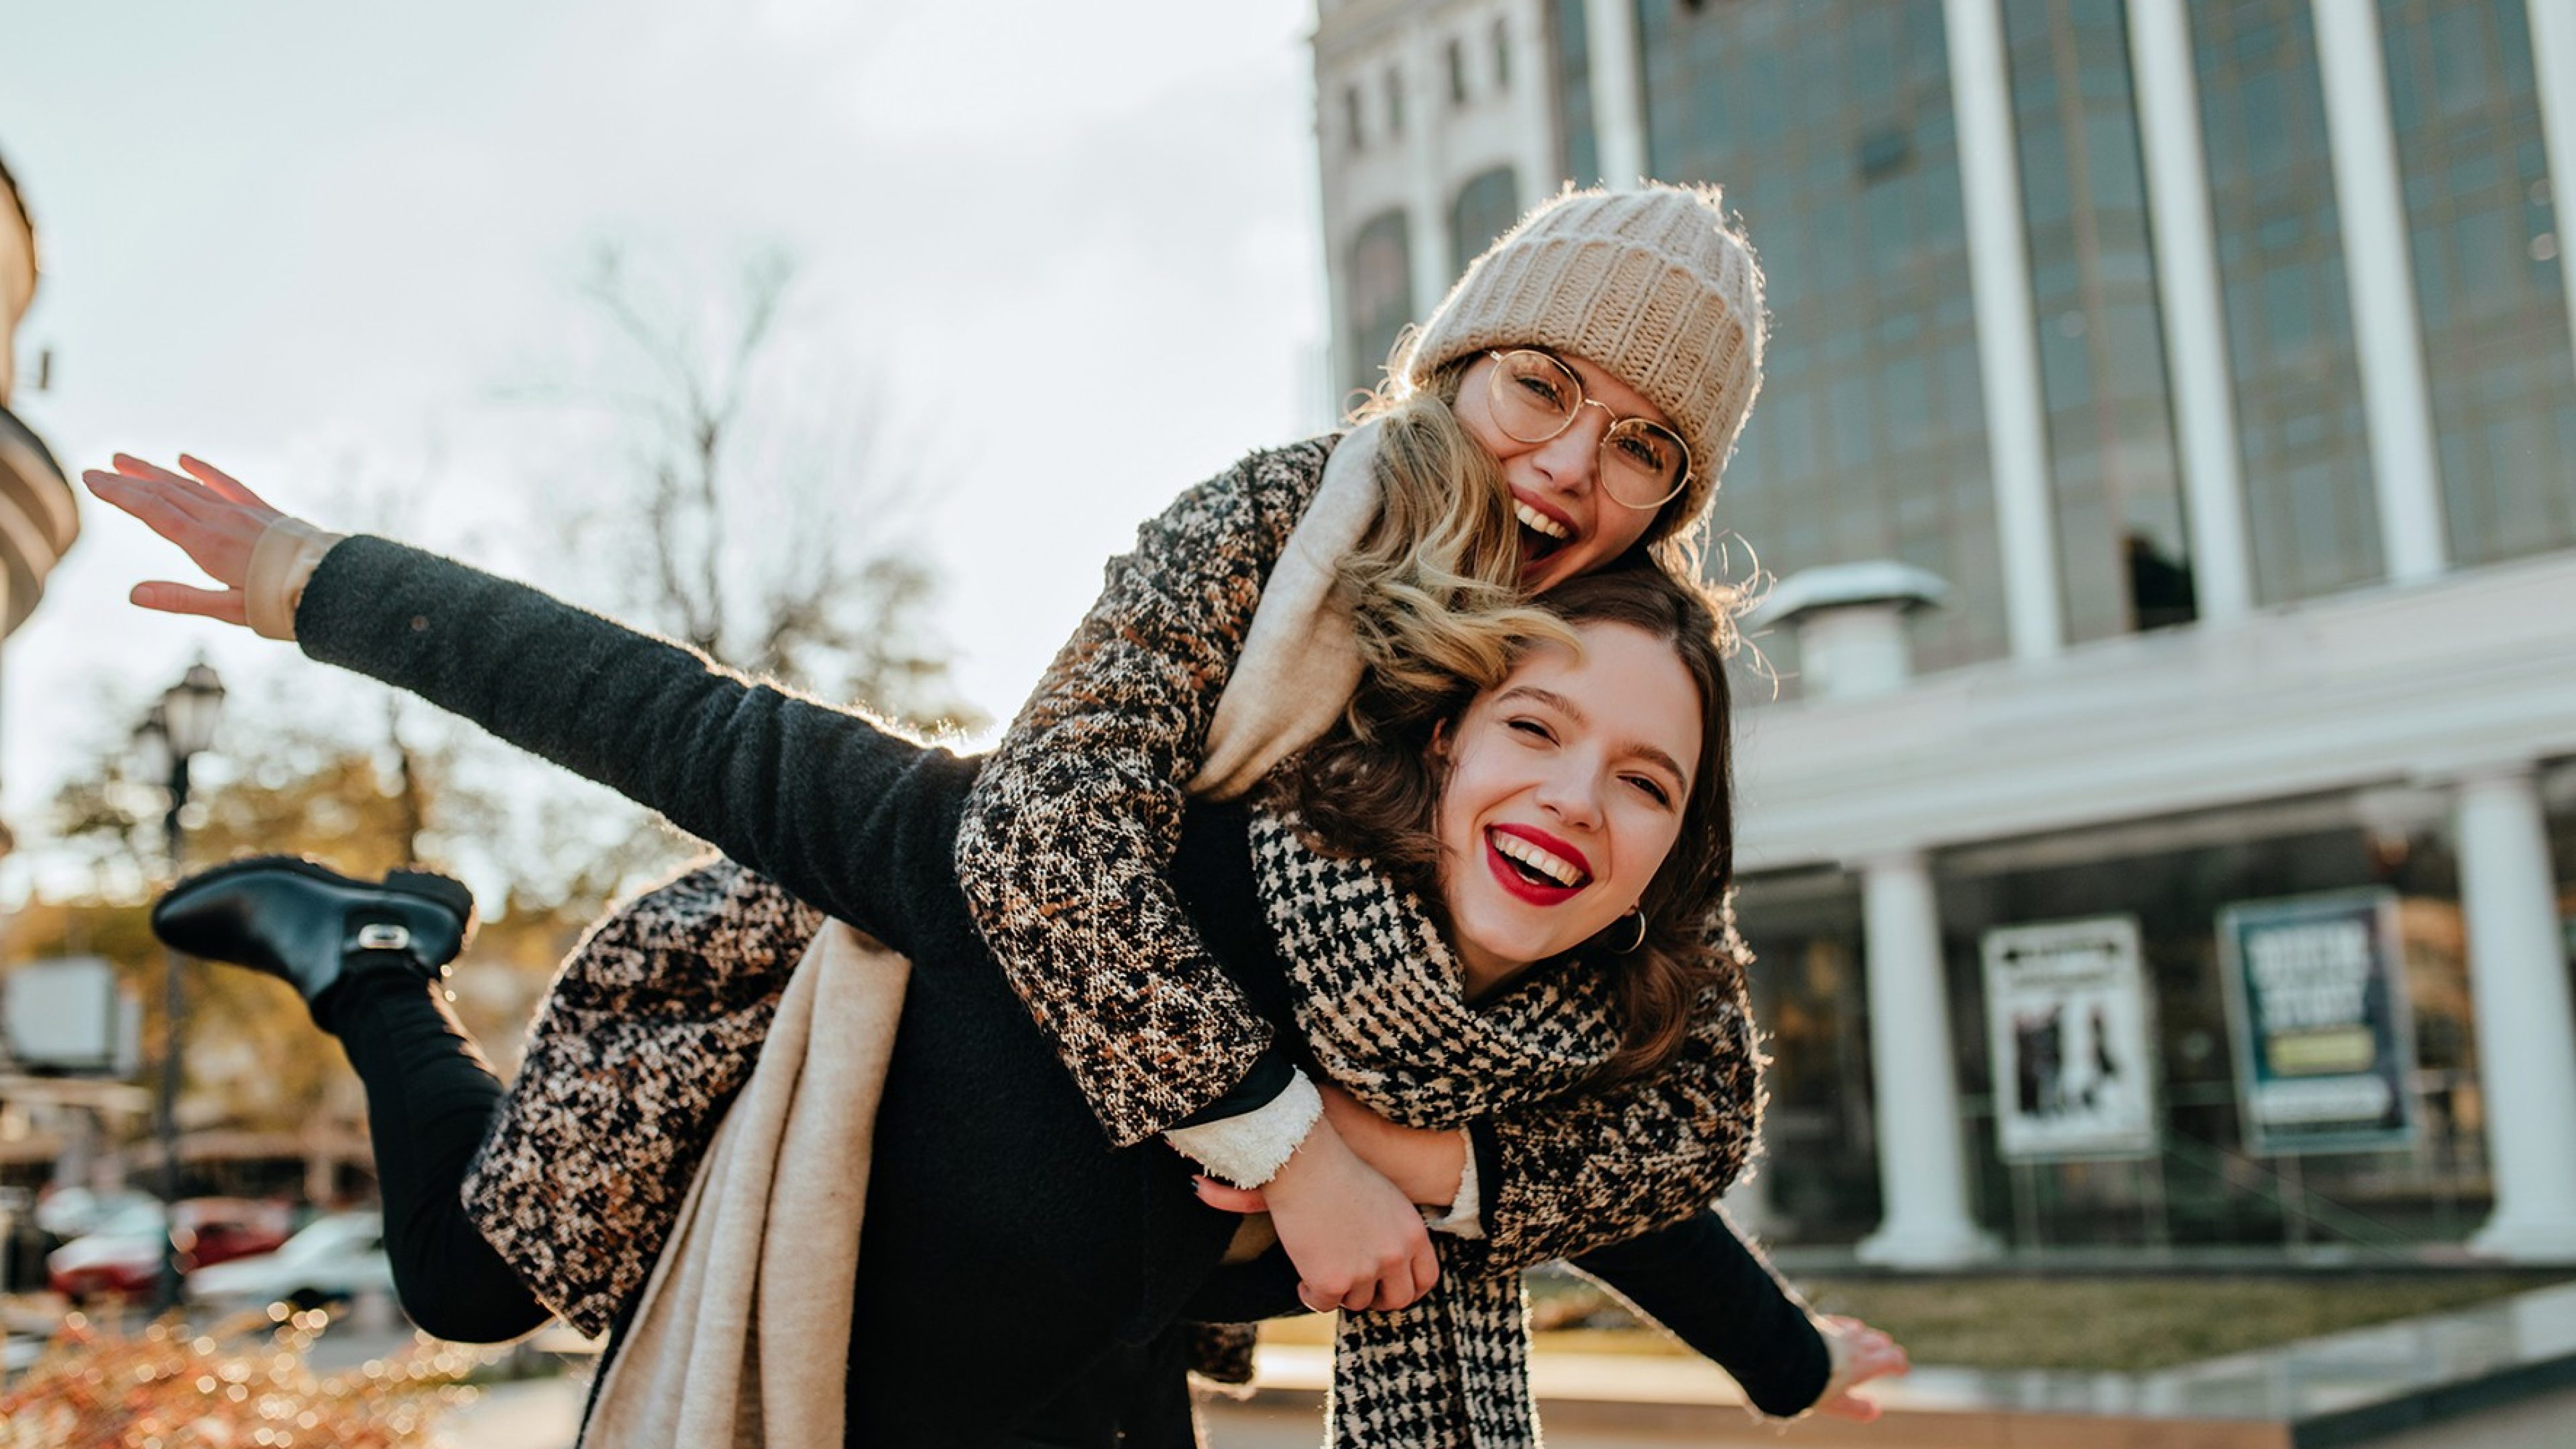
pixel 191 708
pixel 152 756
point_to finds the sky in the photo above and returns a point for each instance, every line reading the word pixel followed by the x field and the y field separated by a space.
pixel 1066 255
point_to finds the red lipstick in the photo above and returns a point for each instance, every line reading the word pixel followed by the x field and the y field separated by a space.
pixel 1509 876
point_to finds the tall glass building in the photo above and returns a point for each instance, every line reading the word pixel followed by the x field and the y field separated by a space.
pixel 2213 359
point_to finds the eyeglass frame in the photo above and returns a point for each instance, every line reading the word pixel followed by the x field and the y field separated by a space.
pixel 1583 398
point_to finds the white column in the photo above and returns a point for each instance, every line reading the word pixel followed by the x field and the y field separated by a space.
pixel 2526 1031
pixel 1427 212
pixel 1534 103
pixel 1618 91
pixel 1922 1163
pixel 2553 66
pixel 2196 365
pixel 2007 342
pixel 2386 327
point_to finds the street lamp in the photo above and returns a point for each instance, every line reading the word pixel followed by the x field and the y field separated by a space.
pixel 180 727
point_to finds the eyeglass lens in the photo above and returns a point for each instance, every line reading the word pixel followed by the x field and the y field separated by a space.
pixel 1537 397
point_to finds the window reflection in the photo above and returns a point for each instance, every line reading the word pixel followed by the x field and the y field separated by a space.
pixel 1381 296
pixel 1486 208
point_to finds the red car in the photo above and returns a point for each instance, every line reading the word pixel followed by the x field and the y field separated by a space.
pixel 122 1255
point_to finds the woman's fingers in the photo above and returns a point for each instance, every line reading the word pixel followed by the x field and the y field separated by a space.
pixel 1852 1407
pixel 134 467
pixel 1226 1198
pixel 156 503
pixel 1402 1286
pixel 223 483
pixel 1860 1353
pixel 216 533
pixel 226 605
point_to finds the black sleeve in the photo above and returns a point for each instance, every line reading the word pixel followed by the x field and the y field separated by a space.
pixel 858 821
pixel 1704 1284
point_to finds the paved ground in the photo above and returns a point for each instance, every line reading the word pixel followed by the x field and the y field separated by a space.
pixel 544 1414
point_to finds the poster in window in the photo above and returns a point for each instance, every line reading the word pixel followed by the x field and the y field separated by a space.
pixel 2069 1018
pixel 2325 1044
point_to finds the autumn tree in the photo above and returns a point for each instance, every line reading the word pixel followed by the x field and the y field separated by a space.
pixel 755 509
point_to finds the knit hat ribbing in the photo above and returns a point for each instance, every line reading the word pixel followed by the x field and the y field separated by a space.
pixel 1656 285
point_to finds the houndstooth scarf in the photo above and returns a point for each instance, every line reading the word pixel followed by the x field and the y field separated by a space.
pixel 1382 1003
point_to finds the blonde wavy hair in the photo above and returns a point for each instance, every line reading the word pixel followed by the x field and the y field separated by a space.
pixel 1434 585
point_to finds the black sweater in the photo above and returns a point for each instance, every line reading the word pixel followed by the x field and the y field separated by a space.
pixel 862 825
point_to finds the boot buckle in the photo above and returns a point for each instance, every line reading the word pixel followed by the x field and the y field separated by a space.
pixel 383 937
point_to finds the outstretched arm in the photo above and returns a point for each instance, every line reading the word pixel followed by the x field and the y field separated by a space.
pixel 847 816
pixel 1706 1286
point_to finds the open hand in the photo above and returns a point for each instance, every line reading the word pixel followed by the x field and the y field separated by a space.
pixel 1860 1353
pixel 209 514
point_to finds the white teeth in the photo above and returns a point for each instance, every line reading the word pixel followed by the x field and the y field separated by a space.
pixel 1562 871
pixel 1532 518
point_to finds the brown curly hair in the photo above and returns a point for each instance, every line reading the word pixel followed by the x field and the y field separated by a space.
pixel 1371 787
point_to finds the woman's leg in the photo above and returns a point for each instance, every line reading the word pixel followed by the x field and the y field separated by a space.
pixel 366 957
pixel 431 1098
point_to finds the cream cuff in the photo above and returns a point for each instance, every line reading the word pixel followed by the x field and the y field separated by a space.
pixel 1466 1215
pixel 280 564
pixel 1248 1150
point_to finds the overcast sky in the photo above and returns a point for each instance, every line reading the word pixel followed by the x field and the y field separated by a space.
pixel 318 243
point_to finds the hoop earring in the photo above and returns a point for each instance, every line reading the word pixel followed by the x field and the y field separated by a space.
pixel 1631 947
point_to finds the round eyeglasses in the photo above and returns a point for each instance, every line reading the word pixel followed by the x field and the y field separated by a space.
pixel 1537 397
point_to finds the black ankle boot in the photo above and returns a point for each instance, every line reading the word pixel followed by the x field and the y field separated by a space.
pixel 314 927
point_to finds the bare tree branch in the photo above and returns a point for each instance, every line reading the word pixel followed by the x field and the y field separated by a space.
pixel 729 440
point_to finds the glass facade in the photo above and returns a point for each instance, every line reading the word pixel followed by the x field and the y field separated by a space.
pixel 2311 520
pixel 2123 551
pixel 2484 239
pixel 1380 298
pixel 1486 208
pixel 1582 157
pixel 1829 123
pixel 1820 1164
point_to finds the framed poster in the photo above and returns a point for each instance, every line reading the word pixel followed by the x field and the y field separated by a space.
pixel 2325 1044
pixel 2073 1040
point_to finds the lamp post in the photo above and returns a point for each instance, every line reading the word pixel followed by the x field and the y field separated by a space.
pixel 180 727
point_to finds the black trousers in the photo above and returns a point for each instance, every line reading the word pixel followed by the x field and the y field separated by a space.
pixel 1020 1282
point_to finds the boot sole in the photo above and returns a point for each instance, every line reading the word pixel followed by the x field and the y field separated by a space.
pixel 423 884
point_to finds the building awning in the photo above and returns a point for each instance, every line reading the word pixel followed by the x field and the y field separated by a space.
pixel 39 520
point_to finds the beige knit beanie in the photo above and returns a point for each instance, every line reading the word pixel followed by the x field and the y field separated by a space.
pixel 1658 286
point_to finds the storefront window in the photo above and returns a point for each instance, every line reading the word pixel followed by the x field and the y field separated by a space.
pixel 2203 1184
pixel 1819 1178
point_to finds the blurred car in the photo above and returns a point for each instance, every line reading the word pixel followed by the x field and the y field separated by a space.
pixel 121 1254
pixel 74 1212
pixel 333 1258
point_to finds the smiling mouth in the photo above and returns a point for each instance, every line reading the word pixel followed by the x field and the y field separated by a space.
pixel 1531 871
pixel 1540 535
